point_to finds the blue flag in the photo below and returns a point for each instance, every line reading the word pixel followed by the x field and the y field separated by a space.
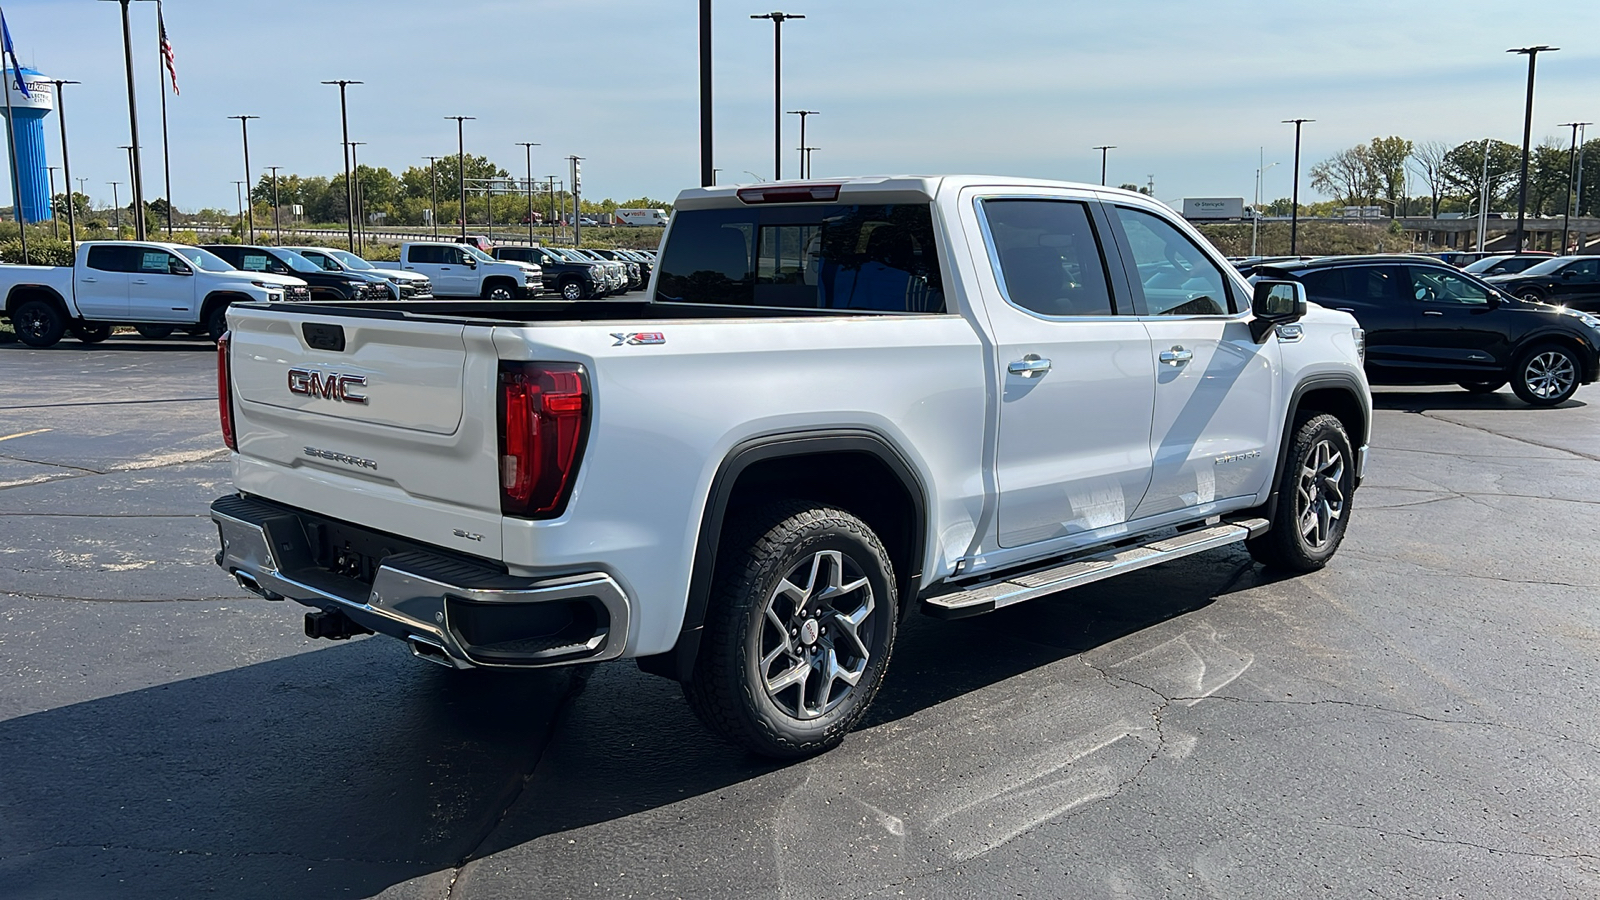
pixel 11 54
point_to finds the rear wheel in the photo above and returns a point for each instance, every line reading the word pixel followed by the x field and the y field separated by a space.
pixel 90 332
pixel 154 332
pixel 1314 493
pixel 1546 375
pixel 1483 387
pixel 217 321
pixel 38 323
pixel 798 635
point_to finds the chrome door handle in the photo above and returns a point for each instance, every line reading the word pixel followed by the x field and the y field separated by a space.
pixel 1177 356
pixel 88 280
pixel 1030 366
pixel 1432 312
pixel 140 281
pixel 1343 309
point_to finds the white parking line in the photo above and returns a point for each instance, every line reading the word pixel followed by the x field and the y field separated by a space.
pixel 25 433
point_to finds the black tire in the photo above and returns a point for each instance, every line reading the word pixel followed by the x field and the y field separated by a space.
pixel 499 290
pixel 1483 387
pixel 571 289
pixel 38 323
pixel 730 690
pixel 1532 296
pixel 217 322
pixel 154 332
pixel 1546 374
pixel 90 332
pixel 1314 493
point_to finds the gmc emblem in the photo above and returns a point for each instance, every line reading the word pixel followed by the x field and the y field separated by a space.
pixel 331 386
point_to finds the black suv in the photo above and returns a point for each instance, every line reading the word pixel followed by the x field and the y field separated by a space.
pixel 572 280
pixel 324 285
pixel 1427 322
pixel 1570 281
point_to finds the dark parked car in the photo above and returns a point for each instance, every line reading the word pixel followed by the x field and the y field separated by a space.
pixel 1570 281
pixel 572 280
pixel 1505 265
pixel 1429 323
pixel 324 285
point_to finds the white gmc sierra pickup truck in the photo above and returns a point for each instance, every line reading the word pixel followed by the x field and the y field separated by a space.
pixel 843 402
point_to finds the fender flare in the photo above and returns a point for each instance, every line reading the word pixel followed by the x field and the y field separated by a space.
pixel 678 663
pixel 1334 380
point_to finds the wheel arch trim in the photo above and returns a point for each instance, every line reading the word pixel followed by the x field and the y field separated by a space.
pixel 1334 381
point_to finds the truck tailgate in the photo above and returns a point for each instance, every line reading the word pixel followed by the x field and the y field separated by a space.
pixel 378 421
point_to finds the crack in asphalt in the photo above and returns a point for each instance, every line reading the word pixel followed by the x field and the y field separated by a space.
pixel 1465 495
pixel 39 515
pixel 1434 573
pixel 121 468
pixel 109 403
pixel 1510 437
pixel 242 854
pixel 9 595
pixel 1547 857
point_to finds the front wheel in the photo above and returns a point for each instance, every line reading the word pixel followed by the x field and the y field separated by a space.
pixel 1314 492
pixel 571 289
pixel 38 323
pixel 798 635
pixel 1532 297
pixel 1483 387
pixel 1546 375
pixel 499 292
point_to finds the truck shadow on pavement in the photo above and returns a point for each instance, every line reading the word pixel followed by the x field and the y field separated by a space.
pixel 352 769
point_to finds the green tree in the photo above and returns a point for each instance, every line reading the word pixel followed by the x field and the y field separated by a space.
pixel 1348 176
pixel 1463 170
pixel 1387 157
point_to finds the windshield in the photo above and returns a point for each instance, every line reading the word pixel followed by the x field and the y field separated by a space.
pixel 350 259
pixel 295 261
pixel 1547 267
pixel 318 256
pixel 477 254
pixel 1482 265
pixel 204 260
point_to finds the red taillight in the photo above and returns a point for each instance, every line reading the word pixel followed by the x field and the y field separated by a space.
pixel 790 193
pixel 224 392
pixel 544 417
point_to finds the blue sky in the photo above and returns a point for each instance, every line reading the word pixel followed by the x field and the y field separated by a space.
pixel 1187 91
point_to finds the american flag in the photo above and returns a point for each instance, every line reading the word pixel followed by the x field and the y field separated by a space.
pixel 167 55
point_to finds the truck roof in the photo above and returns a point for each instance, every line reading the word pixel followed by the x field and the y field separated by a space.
pixel 876 188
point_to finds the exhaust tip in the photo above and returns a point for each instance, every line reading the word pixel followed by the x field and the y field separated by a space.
pixel 249 583
pixel 422 648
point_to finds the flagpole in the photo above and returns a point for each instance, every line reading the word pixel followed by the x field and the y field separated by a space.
pixel 11 142
pixel 166 154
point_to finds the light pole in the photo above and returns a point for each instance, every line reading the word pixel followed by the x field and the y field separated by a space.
pixel 1577 190
pixel 361 212
pixel 66 166
pixel 806 153
pixel 708 175
pixel 577 204
pixel 238 190
pixel 1104 149
pixel 551 179
pixel 1261 171
pixel 805 170
pixel 528 146
pixel 344 149
pixel 133 127
pixel 778 18
pixel 1572 172
pixel 55 223
pixel 116 207
pixel 1532 53
pixel 130 173
pixel 713 178
pixel 277 229
pixel 244 128
pixel 461 168
pixel 433 185
pixel 166 145
pixel 1294 201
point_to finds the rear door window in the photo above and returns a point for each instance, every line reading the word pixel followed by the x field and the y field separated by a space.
pixel 1177 277
pixel 113 258
pixel 861 258
pixel 1050 260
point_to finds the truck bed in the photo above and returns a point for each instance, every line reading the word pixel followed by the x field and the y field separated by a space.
pixel 503 312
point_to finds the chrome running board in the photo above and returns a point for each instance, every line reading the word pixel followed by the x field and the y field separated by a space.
pixel 960 601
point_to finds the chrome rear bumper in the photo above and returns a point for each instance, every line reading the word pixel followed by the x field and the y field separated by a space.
pixel 455 612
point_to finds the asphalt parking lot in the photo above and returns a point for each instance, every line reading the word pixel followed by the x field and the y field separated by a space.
pixel 1418 720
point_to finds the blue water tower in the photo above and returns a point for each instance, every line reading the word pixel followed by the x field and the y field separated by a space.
pixel 33 176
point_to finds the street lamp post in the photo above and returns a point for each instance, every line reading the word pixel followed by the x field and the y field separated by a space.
pixel 66 166
pixel 55 223
pixel 1294 201
pixel 244 128
pixel 778 18
pixel 1572 172
pixel 1104 149
pixel 551 180
pixel 238 190
pixel 344 149
pixel 361 212
pixel 528 146
pixel 1261 171
pixel 277 228
pixel 130 172
pixel 433 187
pixel 133 126
pixel 1532 53
pixel 805 170
pixel 461 167
pixel 806 153
pixel 708 175
pixel 116 207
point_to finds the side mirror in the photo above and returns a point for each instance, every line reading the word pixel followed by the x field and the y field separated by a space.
pixel 278 269
pixel 1276 303
pixel 470 262
pixel 178 268
pixel 1567 274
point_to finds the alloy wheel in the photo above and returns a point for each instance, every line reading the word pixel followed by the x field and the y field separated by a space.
pixel 813 639
pixel 1549 374
pixel 32 323
pixel 1319 498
